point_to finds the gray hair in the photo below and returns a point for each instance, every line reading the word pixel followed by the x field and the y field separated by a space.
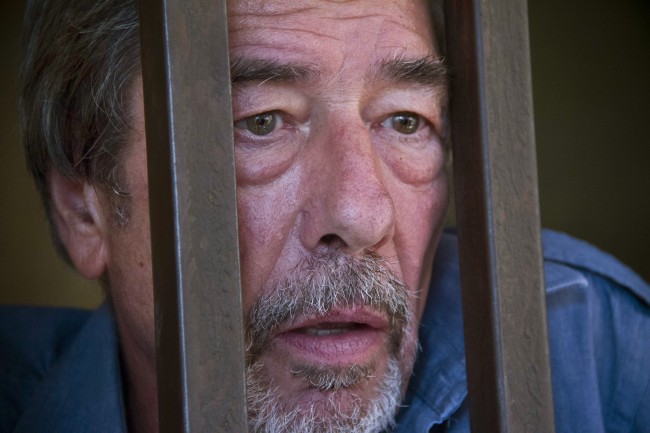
pixel 79 60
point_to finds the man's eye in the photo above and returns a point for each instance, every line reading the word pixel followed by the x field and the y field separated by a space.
pixel 261 124
pixel 404 123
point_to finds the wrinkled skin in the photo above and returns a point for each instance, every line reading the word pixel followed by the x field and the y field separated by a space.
pixel 333 170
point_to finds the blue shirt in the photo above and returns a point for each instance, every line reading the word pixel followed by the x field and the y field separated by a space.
pixel 60 369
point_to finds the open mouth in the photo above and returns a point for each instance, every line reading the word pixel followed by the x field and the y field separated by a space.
pixel 327 329
pixel 340 337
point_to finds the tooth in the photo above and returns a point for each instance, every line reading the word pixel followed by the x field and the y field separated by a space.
pixel 324 332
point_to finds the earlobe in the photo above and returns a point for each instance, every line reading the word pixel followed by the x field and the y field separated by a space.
pixel 77 214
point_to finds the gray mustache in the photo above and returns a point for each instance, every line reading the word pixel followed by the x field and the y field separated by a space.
pixel 325 282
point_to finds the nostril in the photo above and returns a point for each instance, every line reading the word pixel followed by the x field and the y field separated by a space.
pixel 332 240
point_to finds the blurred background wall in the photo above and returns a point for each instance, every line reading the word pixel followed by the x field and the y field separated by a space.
pixel 591 75
pixel 30 271
pixel 591 84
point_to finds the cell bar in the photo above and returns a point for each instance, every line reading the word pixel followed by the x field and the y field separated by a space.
pixel 198 309
pixel 504 305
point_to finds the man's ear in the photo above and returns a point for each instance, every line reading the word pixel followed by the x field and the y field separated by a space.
pixel 77 214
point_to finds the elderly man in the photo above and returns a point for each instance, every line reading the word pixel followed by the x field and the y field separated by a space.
pixel 340 140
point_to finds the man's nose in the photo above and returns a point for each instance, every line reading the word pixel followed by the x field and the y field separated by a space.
pixel 351 208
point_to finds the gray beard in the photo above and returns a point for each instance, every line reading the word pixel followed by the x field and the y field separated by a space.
pixel 317 286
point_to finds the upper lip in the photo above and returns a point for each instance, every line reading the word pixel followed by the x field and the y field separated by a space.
pixel 358 315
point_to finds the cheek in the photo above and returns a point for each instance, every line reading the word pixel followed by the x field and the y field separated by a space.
pixel 420 220
pixel 267 216
pixel 130 277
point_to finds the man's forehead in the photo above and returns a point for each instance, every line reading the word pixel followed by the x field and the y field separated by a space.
pixel 243 13
pixel 329 37
pixel 281 7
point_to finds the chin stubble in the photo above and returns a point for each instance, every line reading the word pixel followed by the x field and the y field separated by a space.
pixel 318 285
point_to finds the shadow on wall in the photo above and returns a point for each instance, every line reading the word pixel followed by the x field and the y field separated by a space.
pixel 590 69
pixel 591 63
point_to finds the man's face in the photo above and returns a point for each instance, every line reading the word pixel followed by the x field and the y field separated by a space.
pixel 338 110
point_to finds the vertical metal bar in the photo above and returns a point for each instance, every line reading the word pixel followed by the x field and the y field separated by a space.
pixel 199 333
pixel 498 214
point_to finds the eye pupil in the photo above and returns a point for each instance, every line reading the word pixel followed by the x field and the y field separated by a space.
pixel 406 123
pixel 261 124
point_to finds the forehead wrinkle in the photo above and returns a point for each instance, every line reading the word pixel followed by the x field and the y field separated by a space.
pixel 278 29
pixel 369 17
pixel 267 8
pixel 251 21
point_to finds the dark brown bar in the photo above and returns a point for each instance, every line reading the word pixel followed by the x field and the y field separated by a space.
pixel 198 308
pixel 498 216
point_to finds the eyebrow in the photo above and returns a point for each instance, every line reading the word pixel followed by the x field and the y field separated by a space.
pixel 244 70
pixel 426 71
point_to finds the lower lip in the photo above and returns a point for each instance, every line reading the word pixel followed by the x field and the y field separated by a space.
pixel 355 346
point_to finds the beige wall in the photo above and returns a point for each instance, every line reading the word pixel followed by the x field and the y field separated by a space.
pixel 591 69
